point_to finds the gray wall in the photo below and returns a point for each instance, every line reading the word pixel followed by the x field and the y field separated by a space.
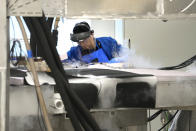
pixel 103 27
pixel 162 43
pixel 167 43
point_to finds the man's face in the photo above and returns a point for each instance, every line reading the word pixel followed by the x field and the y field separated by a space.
pixel 88 43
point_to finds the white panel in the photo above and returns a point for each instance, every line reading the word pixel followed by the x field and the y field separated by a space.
pixel 162 43
pixel 103 28
pixel 119 31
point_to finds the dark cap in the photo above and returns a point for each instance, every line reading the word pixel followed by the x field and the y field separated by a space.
pixel 81 31
pixel 81 27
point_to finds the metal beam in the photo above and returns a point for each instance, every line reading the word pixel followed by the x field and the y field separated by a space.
pixel 4 101
pixel 109 9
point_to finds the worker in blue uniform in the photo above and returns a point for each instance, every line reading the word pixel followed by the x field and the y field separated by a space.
pixel 90 49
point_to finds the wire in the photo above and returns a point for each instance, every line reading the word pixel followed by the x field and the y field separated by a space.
pixel 155 115
pixel 16 52
pixel 182 65
pixel 188 6
pixel 35 26
pixel 72 102
pixel 168 121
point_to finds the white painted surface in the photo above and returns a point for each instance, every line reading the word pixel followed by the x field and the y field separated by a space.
pixel 168 43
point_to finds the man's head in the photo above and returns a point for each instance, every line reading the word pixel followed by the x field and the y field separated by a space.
pixel 83 35
pixel 81 27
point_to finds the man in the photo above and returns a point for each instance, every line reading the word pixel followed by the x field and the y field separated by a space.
pixel 90 49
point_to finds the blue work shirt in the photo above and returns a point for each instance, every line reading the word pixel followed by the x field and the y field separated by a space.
pixel 109 46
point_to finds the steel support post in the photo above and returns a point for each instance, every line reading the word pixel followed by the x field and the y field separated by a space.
pixel 4 67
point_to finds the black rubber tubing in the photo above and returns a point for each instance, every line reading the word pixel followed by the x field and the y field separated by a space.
pixel 72 94
pixel 180 66
pixel 60 79
pixel 51 42
pixel 57 75
pixel 50 22
pixel 79 104
pixel 85 125
pixel 65 82
pixel 55 71
pixel 33 26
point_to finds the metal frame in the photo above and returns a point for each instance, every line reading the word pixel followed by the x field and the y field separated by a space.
pixel 64 8
pixel 4 72
pixel 140 9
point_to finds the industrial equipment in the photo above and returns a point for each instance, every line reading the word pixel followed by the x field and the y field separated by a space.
pixel 118 99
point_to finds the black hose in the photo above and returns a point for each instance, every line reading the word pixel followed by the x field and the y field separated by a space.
pixel 180 66
pixel 49 22
pixel 51 43
pixel 77 101
pixel 34 27
pixel 83 122
pixel 56 73
pixel 60 77
pixel 55 36
pixel 154 115
pixel 54 31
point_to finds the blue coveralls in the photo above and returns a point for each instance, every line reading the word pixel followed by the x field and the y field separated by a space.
pixel 108 50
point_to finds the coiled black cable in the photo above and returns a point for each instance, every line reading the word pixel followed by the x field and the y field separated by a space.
pixel 76 100
pixel 79 114
pixel 34 27
pixel 16 52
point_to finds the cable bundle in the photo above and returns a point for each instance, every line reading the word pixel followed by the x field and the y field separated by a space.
pixel 16 52
pixel 77 111
pixel 182 65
